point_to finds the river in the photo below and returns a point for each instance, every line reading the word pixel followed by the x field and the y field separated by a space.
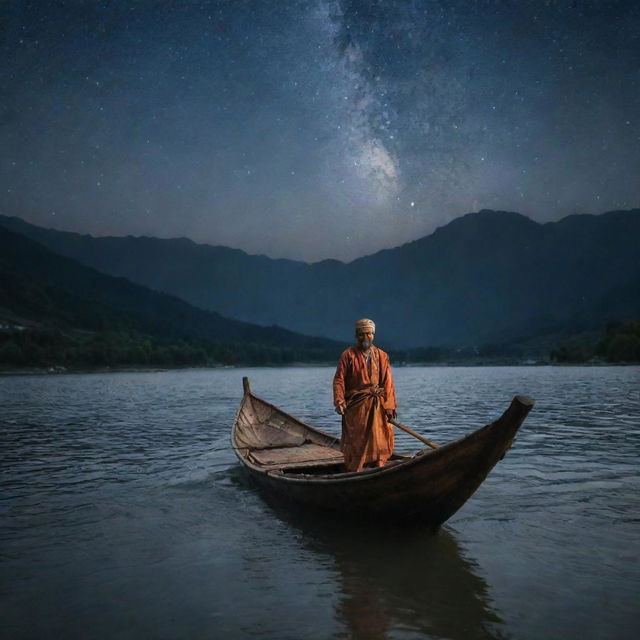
pixel 125 513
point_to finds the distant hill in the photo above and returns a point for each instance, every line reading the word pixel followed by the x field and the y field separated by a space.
pixel 491 276
pixel 40 290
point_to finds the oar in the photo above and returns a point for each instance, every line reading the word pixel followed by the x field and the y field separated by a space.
pixel 410 431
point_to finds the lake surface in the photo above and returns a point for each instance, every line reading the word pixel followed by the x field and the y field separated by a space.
pixel 125 513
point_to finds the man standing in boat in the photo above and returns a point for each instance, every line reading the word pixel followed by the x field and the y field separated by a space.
pixel 364 395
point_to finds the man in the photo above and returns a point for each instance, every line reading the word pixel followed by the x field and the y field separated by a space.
pixel 364 395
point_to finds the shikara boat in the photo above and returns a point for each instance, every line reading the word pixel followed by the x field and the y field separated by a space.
pixel 291 461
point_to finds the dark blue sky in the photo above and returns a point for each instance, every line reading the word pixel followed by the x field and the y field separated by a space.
pixel 315 129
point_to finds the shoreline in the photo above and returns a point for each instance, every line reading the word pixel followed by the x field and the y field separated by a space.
pixel 58 370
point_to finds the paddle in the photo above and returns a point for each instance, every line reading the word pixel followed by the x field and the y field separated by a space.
pixel 433 445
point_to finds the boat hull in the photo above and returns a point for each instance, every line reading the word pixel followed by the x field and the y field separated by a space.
pixel 427 488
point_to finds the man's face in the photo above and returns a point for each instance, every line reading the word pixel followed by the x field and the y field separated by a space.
pixel 365 337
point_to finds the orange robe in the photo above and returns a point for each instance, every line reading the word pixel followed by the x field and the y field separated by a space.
pixel 367 390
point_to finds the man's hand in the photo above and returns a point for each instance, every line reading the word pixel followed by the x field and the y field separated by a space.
pixel 340 408
pixel 391 414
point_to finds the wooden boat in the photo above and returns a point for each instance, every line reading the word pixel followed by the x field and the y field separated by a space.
pixel 293 462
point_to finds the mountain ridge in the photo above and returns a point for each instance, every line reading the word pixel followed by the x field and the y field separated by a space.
pixel 57 292
pixel 486 276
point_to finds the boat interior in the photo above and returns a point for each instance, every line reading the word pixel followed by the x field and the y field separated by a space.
pixel 281 444
pixel 307 458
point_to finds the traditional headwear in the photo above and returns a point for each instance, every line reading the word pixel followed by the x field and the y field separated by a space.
pixel 365 323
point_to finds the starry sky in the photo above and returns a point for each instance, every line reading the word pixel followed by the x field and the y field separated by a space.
pixel 315 129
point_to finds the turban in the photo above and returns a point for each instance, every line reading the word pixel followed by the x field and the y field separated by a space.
pixel 365 323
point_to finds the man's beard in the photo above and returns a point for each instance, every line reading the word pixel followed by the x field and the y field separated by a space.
pixel 366 344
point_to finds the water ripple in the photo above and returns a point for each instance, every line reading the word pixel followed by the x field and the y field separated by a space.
pixel 122 490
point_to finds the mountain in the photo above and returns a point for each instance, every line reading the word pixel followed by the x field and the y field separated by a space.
pixel 44 290
pixel 491 276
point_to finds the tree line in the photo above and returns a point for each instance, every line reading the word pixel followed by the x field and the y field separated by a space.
pixel 53 347
pixel 620 342
pixel 78 349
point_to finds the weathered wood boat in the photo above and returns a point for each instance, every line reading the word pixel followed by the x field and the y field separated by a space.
pixel 291 461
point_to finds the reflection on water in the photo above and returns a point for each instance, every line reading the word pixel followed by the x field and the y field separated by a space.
pixel 393 579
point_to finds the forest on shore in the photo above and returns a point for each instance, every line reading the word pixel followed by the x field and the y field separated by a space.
pixel 51 348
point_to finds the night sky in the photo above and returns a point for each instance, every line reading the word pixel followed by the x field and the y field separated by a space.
pixel 315 129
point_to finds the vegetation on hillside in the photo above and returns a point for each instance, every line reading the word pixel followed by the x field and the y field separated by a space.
pixel 620 342
pixel 487 353
pixel 56 312
pixel 41 347
pixel 53 348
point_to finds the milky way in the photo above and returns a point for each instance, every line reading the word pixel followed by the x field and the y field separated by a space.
pixel 315 129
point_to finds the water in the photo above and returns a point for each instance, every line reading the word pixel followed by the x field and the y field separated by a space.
pixel 125 514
